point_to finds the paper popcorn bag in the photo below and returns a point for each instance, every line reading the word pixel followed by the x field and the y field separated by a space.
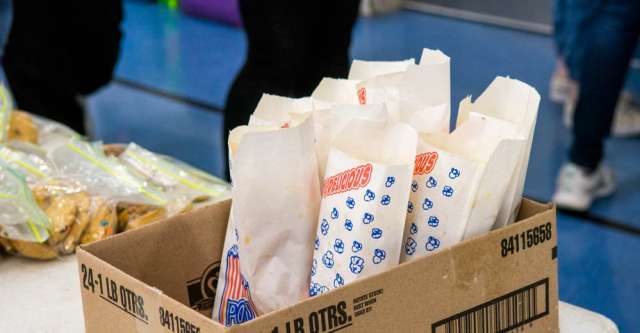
pixel 276 195
pixel 332 91
pixel 362 70
pixel 363 207
pixel 281 111
pixel 330 122
pixel 421 92
pixel 516 102
pixel 458 185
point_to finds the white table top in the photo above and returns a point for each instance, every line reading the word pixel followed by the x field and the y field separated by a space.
pixel 45 297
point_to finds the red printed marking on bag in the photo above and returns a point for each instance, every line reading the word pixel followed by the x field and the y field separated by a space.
pixel 362 96
pixel 425 163
pixel 348 180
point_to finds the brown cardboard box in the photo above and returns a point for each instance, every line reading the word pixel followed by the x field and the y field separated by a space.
pixel 161 278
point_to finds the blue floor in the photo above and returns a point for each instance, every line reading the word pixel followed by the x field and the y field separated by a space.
pixel 197 59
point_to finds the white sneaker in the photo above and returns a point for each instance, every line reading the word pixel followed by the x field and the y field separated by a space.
pixel 626 120
pixel 576 189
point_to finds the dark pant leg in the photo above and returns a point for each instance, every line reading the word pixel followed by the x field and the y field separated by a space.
pixel 327 54
pixel 57 51
pixel 273 48
pixel 609 41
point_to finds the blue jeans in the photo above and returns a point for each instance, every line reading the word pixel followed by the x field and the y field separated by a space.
pixel 605 40
pixel 5 22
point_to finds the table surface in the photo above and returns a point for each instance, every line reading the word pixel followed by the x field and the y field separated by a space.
pixel 45 297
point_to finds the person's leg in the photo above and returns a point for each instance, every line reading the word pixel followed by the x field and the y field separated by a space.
pixel 37 65
pixel 328 46
pixel 609 43
pixel 274 30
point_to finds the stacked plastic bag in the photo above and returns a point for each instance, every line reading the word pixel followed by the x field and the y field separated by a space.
pixel 58 190
pixel 365 174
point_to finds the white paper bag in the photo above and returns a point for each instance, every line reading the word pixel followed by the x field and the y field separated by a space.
pixel 420 95
pixel 281 111
pixel 330 122
pixel 276 195
pixel 364 203
pixel 362 70
pixel 514 101
pixel 332 91
pixel 458 185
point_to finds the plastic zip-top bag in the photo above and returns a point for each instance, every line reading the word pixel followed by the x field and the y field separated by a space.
pixel 6 108
pixel 169 176
pixel 27 159
pixel 363 205
pixel 20 217
pixel 103 176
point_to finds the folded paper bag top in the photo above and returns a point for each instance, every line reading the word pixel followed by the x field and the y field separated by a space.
pixel 421 92
pixel 514 101
pixel 268 248
pixel 330 122
pixel 332 91
pixel 364 203
pixel 362 70
pixel 281 111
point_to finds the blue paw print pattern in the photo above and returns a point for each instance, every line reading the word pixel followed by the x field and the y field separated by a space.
pixel 348 224
pixel 369 195
pixel 379 255
pixel 356 264
pixel 351 202
pixel 431 182
pixel 314 267
pixel 432 243
pixel 324 227
pixel 390 181
pixel 356 247
pixel 327 259
pixel 454 173
pixel 338 281
pixel 338 245
pixel 385 200
pixel 410 246
pixel 410 207
pixel 413 229
pixel 433 221
pixel 367 218
pixel 376 233
pixel 447 191
pixel 316 244
pixel 414 186
pixel 427 204
pixel 334 213
pixel 317 289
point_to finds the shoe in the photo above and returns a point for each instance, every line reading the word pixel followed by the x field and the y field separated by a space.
pixel 626 120
pixel 561 87
pixel 576 189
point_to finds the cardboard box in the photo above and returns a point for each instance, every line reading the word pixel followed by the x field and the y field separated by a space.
pixel 161 278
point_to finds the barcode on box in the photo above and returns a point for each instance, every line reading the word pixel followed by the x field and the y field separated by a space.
pixel 502 314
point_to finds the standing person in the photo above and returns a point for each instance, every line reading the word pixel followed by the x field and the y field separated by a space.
pixel 60 51
pixel 607 40
pixel 570 22
pixel 292 45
